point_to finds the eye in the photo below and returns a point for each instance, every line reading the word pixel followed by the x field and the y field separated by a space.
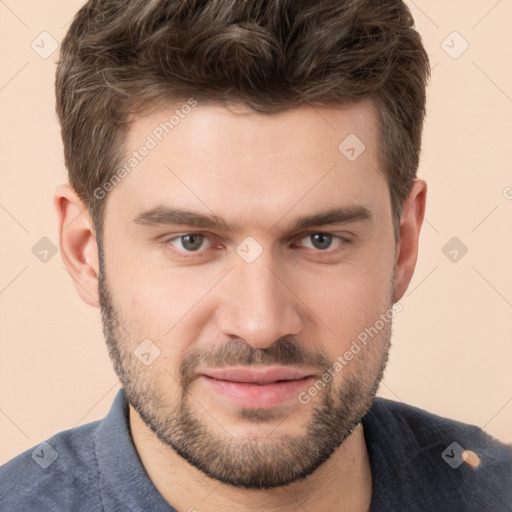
pixel 322 241
pixel 188 243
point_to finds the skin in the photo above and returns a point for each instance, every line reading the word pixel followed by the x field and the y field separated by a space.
pixel 262 173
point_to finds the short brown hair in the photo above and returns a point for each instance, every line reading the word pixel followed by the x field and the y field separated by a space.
pixel 121 56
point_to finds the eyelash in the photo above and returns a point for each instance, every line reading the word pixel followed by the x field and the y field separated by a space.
pixel 196 254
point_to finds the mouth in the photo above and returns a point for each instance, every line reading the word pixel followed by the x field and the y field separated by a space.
pixel 257 388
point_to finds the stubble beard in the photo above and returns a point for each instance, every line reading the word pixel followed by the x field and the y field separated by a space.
pixel 253 462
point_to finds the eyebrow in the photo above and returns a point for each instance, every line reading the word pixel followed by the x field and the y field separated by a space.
pixel 166 216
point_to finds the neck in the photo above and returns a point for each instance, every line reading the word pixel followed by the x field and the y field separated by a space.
pixel 343 483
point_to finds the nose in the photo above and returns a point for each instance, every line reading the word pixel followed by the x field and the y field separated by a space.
pixel 258 305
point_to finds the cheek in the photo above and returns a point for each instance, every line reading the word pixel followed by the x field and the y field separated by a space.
pixel 347 301
pixel 161 303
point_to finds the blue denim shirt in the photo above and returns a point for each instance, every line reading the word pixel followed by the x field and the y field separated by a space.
pixel 416 462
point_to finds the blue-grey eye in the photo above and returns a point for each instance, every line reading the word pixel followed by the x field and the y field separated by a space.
pixel 320 240
pixel 191 242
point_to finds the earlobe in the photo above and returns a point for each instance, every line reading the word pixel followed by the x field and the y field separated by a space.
pixel 77 240
pixel 406 253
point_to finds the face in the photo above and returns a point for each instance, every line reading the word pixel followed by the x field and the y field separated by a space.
pixel 243 258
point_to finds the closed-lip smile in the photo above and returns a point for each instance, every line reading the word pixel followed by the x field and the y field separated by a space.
pixel 257 376
pixel 257 388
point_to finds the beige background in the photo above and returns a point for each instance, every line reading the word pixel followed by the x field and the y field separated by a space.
pixel 452 349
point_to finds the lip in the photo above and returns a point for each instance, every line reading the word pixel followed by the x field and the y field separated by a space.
pixel 257 388
pixel 257 376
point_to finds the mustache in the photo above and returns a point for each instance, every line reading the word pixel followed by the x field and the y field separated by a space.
pixel 285 351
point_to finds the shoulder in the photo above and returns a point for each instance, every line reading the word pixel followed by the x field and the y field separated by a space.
pixel 422 428
pixel 440 460
pixel 60 473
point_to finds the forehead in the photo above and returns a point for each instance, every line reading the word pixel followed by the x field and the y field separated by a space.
pixel 213 159
pixel 211 130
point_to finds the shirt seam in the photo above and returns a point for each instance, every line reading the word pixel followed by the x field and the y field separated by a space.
pixel 98 473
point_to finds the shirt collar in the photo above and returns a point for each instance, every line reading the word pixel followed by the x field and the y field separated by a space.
pixel 124 483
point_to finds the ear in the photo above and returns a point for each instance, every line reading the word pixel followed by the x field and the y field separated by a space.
pixel 406 252
pixel 77 240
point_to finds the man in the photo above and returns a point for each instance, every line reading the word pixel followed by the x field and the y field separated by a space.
pixel 243 206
